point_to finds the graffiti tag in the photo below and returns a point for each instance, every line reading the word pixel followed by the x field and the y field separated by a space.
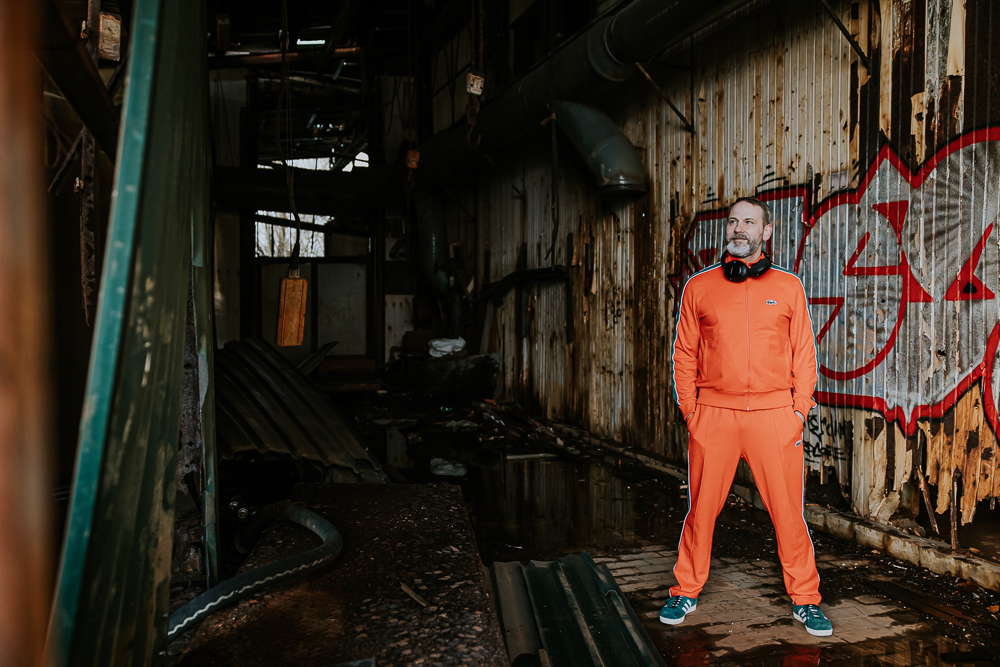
pixel 901 274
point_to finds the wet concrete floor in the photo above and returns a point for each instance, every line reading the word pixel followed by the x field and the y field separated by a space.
pixel 544 509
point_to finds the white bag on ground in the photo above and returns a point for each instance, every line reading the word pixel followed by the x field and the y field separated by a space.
pixel 442 346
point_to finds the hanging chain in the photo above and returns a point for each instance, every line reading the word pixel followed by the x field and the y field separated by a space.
pixel 285 100
pixel 410 93
pixel 88 237
pixel 88 172
pixel 474 84
pixel 411 97
pixel 554 176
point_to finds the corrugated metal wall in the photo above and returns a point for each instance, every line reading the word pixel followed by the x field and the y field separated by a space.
pixel 885 193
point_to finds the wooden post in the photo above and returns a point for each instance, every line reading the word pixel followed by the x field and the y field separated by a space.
pixel 25 398
pixel 927 501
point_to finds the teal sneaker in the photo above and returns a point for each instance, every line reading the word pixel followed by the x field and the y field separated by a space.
pixel 676 608
pixel 817 624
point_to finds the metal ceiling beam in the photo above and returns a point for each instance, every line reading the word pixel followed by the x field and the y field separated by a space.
pixel 335 227
pixel 64 56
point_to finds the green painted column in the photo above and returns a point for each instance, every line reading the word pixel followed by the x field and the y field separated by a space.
pixel 114 578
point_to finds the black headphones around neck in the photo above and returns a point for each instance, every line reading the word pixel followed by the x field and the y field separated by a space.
pixel 736 271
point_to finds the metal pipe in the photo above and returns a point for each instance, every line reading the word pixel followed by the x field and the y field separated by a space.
pixel 541 456
pixel 433 249
pixel 610 155
pixel 663 95
pixel 847 34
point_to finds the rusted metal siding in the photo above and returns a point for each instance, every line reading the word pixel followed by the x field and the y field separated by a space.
pixel 531 324
pixel 883 186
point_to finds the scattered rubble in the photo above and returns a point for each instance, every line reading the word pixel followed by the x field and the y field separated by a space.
pixel 408 585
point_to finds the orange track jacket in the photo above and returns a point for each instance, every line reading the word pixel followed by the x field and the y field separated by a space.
pixel 744 346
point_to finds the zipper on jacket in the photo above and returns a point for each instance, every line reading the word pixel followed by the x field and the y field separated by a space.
pixel 748 343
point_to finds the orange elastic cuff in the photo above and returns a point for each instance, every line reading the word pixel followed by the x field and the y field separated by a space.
pixel 803 405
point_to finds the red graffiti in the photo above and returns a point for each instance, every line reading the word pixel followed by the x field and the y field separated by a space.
pixel 904 308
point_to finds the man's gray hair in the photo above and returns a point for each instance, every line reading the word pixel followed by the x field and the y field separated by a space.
pixel 765 209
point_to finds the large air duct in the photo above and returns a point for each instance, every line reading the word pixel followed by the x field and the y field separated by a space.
pixel 590 65
pixel 611 157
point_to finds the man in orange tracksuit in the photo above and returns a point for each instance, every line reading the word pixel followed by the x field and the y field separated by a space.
pixel 744 364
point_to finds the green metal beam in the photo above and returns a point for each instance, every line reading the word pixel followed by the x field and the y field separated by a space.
pixel 113 588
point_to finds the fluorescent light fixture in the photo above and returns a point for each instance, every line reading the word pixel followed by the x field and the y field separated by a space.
pixel 310 42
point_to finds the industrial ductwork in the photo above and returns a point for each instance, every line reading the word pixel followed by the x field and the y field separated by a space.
pixel 610 155
pixel 590 65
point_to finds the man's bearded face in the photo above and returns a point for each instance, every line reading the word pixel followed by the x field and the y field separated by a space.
pixel 746 231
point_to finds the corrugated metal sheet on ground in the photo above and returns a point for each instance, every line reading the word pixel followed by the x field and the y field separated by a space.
pixel 265 404
pixel 581 617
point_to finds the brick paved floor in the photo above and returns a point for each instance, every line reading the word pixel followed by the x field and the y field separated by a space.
pixel 744 610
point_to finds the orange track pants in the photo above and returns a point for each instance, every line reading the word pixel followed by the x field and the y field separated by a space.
pixel 771 443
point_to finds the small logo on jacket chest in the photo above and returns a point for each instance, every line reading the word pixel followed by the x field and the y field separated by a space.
pixel 771 302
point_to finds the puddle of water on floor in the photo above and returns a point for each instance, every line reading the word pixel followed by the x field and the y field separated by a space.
pixel 539 509
pixel 545 509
